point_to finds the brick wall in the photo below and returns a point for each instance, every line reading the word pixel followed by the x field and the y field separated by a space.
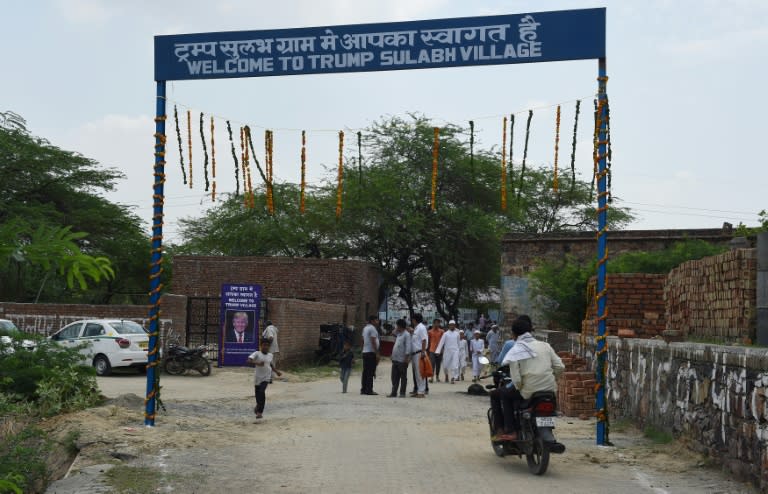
pixel 330 281
pixel 522 252
pixel 576 387
pixel 45 319
pixel 635 304
pixel 298 322
pixel 714 298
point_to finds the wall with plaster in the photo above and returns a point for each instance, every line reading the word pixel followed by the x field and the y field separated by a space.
pixel 714 396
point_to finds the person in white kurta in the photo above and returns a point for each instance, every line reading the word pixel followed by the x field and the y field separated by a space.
pixel 476 346
pixel 463 354
pixel 449 348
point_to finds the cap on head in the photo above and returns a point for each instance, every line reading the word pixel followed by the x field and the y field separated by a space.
pixel 452 322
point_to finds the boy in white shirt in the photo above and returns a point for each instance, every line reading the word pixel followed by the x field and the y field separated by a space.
pixel 262 361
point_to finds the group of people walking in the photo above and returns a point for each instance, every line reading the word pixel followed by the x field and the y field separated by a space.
pixel 449 350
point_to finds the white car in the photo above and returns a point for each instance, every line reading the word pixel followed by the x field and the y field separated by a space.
pixel 107 343
pixel 8 329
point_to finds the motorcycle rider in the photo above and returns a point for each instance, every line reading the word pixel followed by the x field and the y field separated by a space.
pixel 533 366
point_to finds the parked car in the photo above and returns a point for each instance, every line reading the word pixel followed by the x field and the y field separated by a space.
pixel 107 343
pixel 9 331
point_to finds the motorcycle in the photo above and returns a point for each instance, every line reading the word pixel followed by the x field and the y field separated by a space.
pixel 180 359
pixel 536 439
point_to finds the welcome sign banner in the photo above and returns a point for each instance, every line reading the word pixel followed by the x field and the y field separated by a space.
pixel 490 40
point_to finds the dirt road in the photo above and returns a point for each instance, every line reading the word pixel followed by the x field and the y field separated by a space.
pixel 313 438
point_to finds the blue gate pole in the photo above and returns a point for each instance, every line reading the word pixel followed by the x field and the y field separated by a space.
pixel 156 269
pixel 602 254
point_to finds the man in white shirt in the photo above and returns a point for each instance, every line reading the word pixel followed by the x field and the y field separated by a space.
pixel 449 349
pixel 419 342
pixel 533 365
pixel 370 355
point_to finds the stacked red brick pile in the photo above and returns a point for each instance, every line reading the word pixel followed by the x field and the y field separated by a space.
pixel 635 303
pixel 576 387
pixel 714 297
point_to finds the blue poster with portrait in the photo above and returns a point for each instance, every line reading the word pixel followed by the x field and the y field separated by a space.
pixel 239 328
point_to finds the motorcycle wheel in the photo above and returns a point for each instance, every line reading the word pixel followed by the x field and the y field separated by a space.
pixel 498 448
pixel 174 367
pixel 203 367
pixel 538 460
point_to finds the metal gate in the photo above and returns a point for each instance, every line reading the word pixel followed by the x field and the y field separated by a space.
pixel 203 321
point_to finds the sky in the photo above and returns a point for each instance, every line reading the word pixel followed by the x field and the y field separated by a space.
pixel 686 86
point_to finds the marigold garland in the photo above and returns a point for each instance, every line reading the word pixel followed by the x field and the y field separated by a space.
pixel 340 178
pixel 205 154
pixel 181 148
pixel 525 153
pixel 573 144
pixel 302 204
pixel 189 144
pixel 435 152
pixel 557 147
pixel 213 162
pixel 504 165
pixel 234 157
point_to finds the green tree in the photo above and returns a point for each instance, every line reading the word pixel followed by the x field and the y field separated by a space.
pixel 52 195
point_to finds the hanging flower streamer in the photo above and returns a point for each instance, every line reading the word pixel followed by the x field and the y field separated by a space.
pixel 302 204
pixel 594 148
pixel 234 157
pixel 472 148
pixel 557 147
pixel 359 159
pixel 511 173
pixel 181 148
pixel 573 145
pixel 244 163
pixel 504 165
pixel 213 162
pixel 609 152
pixel 525 153
pixel 189 144
pixel 340 178
pixel 205 154
pixel 435 152
pixel 249 143
pixel 268 163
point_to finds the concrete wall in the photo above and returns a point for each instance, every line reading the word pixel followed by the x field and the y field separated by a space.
pixel 522 252
pixel 714 396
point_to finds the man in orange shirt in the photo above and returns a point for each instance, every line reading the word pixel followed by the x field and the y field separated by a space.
pixel 435 333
